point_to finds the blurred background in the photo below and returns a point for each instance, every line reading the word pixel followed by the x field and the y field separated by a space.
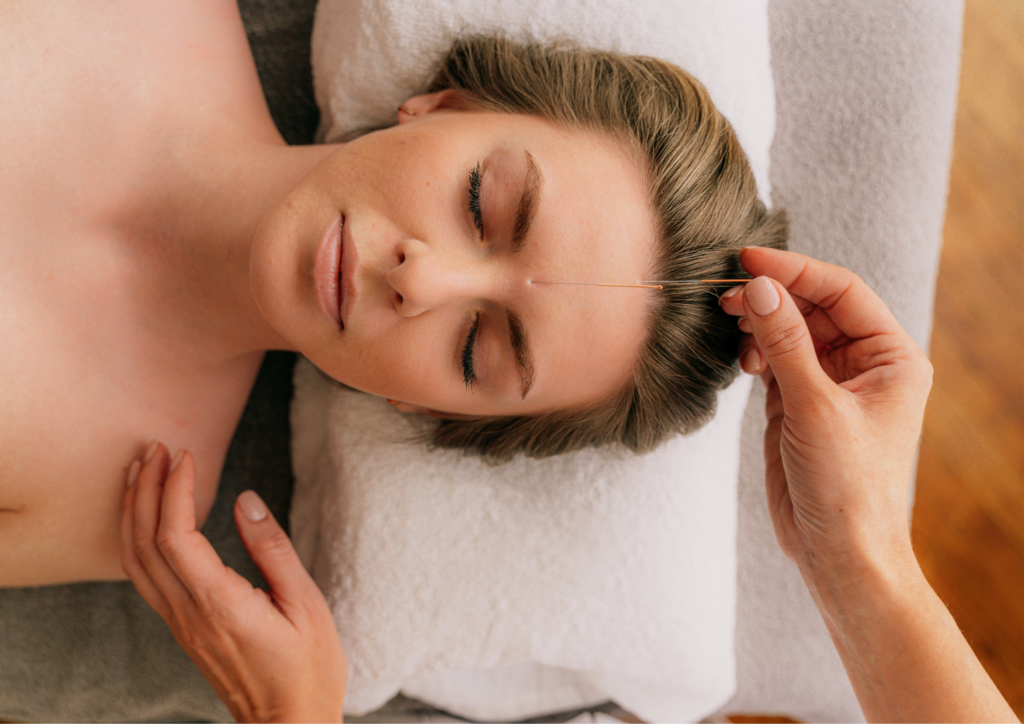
pixel 968 525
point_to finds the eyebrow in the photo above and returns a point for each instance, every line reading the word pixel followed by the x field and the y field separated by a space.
pixel 521 351
pixel 527 203
pixel 525 213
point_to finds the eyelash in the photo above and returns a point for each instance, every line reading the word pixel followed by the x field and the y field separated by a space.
pixel 474 199
pixel 467 355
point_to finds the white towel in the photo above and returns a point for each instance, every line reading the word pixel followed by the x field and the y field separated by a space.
pixel 528 588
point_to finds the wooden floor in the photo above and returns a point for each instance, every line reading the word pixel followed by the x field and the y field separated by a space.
pixel 969 515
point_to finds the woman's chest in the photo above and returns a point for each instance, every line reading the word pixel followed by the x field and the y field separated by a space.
pixel 89 381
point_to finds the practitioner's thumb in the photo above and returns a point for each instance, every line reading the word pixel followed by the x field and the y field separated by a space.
pixel 272 552
pixel 783 338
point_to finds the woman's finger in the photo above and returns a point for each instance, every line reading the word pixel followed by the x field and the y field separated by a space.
pixel 854 308
pixel 129 560
pixel 186 550
pixel 149 493
pixel 822 326
pixel 270 548
pixel 751 360
pixel 784 340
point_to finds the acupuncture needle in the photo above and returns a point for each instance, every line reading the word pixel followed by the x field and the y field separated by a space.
pixel 650 284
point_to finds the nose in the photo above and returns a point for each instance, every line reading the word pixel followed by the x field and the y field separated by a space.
pixel 430 276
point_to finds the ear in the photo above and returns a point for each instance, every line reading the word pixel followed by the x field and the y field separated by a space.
pixel 425 104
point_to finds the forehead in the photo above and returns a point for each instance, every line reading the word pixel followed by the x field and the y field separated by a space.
pixel 594 224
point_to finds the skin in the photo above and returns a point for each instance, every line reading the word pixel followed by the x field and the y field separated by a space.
pixel 158 236
pixel 269 656
pixel 425 271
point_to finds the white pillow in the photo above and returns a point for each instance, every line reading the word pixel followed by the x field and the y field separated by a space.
pixel 513 591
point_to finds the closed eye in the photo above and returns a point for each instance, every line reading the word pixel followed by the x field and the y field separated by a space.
pixel 468 375
pixel 474 199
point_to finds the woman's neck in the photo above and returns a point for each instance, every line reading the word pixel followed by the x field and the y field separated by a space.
pixel 203 212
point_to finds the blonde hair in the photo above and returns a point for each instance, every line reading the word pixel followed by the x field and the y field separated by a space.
pixel 706 209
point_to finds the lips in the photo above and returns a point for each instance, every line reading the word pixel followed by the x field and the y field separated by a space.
pixel 327 272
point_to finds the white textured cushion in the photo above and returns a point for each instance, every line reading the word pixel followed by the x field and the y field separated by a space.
pixel 513 591
pixel 537 586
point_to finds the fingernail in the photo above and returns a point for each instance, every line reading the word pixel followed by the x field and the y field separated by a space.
pixel 762 295
pixel 253 506
pixel 151 451
pixel 133 472
pixel 177 460
pixel 744 325
pixel 751 362
pixel 729 294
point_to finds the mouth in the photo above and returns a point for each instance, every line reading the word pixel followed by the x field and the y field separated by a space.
pixel 328 277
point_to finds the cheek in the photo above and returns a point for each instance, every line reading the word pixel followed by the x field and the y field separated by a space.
pixel 403 361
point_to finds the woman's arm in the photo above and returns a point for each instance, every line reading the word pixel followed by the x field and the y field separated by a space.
pixel 269 656
pixel 901 648
pixel 846 390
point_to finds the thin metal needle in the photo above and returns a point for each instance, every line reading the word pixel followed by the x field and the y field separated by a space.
pixel 703 281
pixel 592 284
pixel 650 284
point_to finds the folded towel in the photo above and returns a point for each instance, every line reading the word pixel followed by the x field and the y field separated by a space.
pixel 537 586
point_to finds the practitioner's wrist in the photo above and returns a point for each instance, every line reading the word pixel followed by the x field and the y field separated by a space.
pixel 848 586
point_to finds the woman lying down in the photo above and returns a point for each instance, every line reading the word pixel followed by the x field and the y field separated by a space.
pixel 158 236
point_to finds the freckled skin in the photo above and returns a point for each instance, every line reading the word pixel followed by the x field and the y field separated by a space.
pixel 584 339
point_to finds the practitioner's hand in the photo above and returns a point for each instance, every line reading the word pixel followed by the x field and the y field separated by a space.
pixel 846 390
pixel 273 657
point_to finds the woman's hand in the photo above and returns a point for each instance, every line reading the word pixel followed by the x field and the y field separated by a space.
pixel 269 657
pixel 846 395
pixel 846 390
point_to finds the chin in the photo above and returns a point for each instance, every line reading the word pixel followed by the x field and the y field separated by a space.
pixel 276 283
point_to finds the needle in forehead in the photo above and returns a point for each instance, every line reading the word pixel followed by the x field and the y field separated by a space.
pixel 648 284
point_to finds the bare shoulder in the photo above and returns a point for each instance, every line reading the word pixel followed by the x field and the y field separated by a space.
pixel 125 55
pixel 96 98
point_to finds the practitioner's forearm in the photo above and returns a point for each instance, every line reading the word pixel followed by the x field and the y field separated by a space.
pixel 902 650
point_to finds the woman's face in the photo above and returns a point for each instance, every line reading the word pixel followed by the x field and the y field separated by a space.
pixel 449 220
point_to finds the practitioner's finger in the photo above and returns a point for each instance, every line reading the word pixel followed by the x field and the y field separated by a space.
pixel 291 585
pixel 843 296
pixel 186 550
pixel 149 493
pixel 821 325
pixel 731 301
pixel 129 560
pixel 784 340
pixel 751 360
